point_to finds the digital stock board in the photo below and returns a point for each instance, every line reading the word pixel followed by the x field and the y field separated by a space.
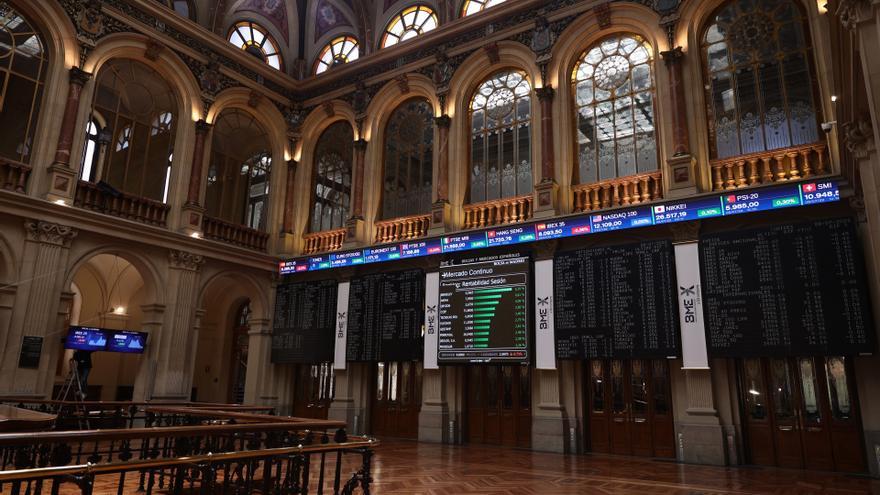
pixel 789 290
pixel 304 323
pixel 696 208
pixel 483 312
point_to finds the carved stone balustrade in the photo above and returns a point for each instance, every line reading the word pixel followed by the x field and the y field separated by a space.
pixel 93 197
pixel 498 212
pixel 403 228
pixel 231 233
pixel 14 175
pixel 320 242
pixel 798 162
pixel 629 190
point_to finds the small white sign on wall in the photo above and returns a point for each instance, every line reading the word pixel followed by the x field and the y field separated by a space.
pixel 545 334
pixel 432 318
pixel 690 307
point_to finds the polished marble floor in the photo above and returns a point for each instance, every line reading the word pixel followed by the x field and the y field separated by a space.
pixel 411 468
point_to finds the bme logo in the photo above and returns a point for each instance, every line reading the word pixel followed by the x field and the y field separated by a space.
pixel 544 313
pixel 340 332
pixel 543 301
pixel 688 303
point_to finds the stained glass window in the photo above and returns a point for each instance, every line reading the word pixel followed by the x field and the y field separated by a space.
pixel 410 23
pixel 614 98
pixel 237 188
pixel 473 6
pixel 333 162
pixel 759 78
pixel 139 112
pixel 501 161
pixel 339 51
pixel 254 40
pixel 23 66
pixel 409 142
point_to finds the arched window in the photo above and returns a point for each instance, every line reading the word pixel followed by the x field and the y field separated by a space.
pixel 473 6
pixel 409 143
pixel 140 112
pixel 759 78
pixel 341 50
pixel 501 141
pixel 614 97
pixel 92 152
pixel 23 65
pixel 333 157
pixel 413 21
pixel 254 40
pixel 237 188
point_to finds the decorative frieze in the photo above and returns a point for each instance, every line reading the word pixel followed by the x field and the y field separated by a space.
pixel 49 233
pixel 183 260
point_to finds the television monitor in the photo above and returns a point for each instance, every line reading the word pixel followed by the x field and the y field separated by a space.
pixel 126 341
pixel 85 339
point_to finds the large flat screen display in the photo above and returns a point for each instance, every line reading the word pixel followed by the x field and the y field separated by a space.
pixel 105 339
pixel 484 312
pixel 304 328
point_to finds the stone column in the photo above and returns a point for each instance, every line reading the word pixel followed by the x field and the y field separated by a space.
pixel 681 164
pixel 153 315
pixel 549 421
pixel 259 381
pixel 440 211
pixel 176 347
pixel 355 224
pixel 63 178
pixel 193 209
pixel 434 415
pixel 38 297
pixel 546 190
pixel 289 192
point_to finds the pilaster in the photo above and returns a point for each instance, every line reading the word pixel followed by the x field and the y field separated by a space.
pixel 63 177
pixel 193 211
pixel 441 211
pixel 681 166
pixel 260 380
pixel 549 421
pixel 434 415
pixel 151 322
pixel 546 191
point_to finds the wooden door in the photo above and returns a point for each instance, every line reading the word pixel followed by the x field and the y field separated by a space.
pixel 314 388
pixel 630 407
pixel 809 420
pixel 499 405
pixel 397 399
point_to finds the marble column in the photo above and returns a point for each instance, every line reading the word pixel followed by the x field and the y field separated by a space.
pixel 63 178
pixel 38 299
pixel 434 415
pixel 355 231
pixel 440 211
pixel 289 199
pixel 151 322
pixel 546 189
pixel 681 164
pixel 259 380
pixel 193 209
pixel 176 347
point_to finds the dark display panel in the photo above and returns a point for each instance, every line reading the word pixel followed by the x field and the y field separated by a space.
pixel 126 341
pixel 484 312
pixel 616 302
pixel 105 339
pixel 385 316
pixel 790 290
pixel 85 339
pixel 305 322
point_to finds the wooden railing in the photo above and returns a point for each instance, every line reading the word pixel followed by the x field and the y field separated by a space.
pixel 14 175
pixel 403 229
pixel 93 197
pixel 498 212
pixel 629 190
pixel 793 163
pixel 320 242
pixel 228 232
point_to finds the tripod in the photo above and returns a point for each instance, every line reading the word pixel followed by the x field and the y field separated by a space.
pixel 73 384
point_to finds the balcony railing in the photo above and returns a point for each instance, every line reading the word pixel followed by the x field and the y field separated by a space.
pixel 498 212
pixel 119 204
pixel 793 163
pixel 14 175
pixel 228 232
pixel 319 242
pixel 403 229
pixel 629 190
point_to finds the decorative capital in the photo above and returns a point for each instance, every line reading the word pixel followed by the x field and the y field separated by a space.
pixel 443 121
pixel 859 137
pixel 185 261
pixel 79 76
pixel 545 93
pixel 685 231
pixel 672 57
pixel 49 233
pixel 853 12
pixel 202 127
